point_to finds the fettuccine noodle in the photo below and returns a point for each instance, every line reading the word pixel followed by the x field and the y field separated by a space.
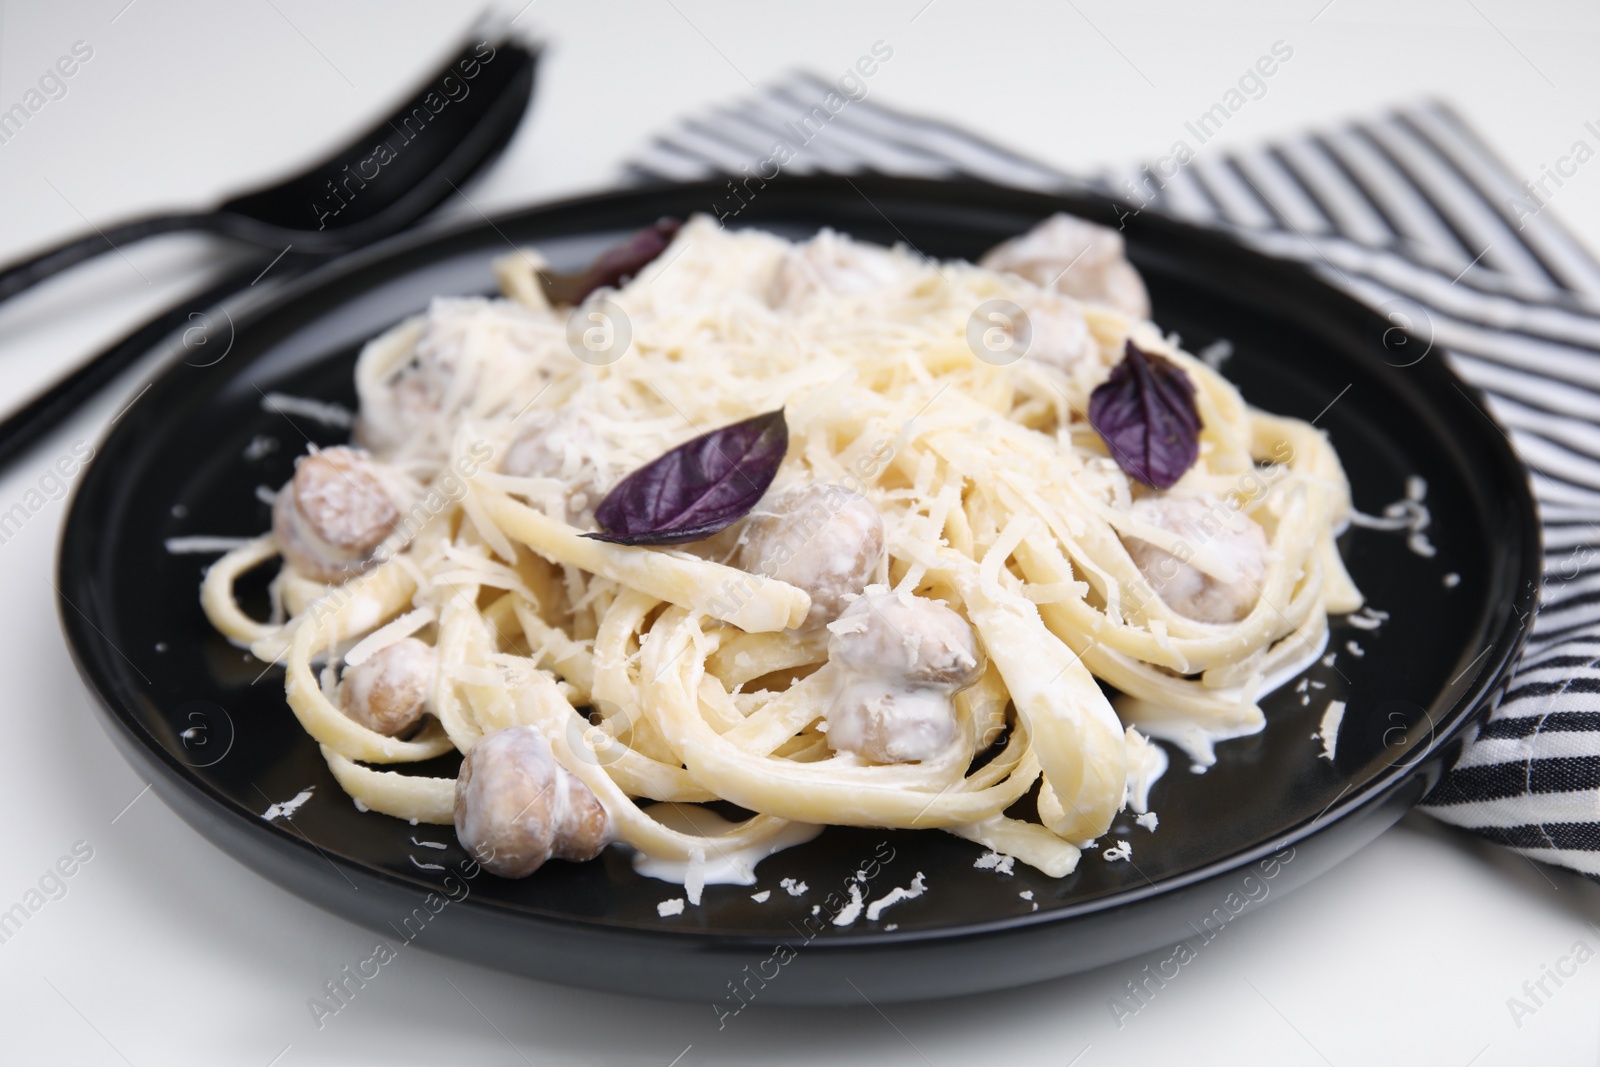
pixel 673 674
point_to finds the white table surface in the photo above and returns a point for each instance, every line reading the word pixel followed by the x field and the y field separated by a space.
pixel 164 951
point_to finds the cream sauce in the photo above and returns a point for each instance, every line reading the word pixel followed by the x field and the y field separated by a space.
pixel 718 866
pixel 1146 764
pixel 1197 742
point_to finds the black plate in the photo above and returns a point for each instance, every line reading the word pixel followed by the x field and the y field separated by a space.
pixel 182 707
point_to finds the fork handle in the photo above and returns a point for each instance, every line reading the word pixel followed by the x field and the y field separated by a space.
pixel 50 408
pixel 19 276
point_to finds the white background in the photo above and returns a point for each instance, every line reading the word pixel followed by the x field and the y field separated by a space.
pixel 164 951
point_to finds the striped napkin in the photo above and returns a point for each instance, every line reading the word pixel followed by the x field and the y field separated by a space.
pixel 1413 214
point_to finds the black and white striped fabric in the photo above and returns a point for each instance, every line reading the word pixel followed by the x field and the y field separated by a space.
pixel 1412 213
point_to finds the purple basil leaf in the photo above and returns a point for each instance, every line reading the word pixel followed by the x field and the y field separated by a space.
pixel 700 487
pixel 613 266
pixel 1145 412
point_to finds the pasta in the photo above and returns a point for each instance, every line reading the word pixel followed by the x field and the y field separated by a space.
pixel 968 514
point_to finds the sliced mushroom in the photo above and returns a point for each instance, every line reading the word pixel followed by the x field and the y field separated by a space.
pixel 333 514
pixel 908 638
pixel 516 807
pixel 891 722
pixel 1075 257
pixel 558 445
pixel 412 392
pixel 1206 525
pixel 831 263
pixel 549 444
pixel 1059 334
pixel 825 539
pixel 388 693
pixel 901 660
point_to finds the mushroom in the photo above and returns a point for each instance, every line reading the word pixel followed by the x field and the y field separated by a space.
pixel 890 722
pixel 1059 334
pixel 411 392
pixel 911 638
pixel 901 660
pixel 389 692
pixel 1211 526
pixel 333 514
pixel 517 807
pixel 831 263
pixel 557 445
pixel 1075 257
pixel 823 538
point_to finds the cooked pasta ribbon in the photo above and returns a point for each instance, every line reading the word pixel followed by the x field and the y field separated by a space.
pixel 684 674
